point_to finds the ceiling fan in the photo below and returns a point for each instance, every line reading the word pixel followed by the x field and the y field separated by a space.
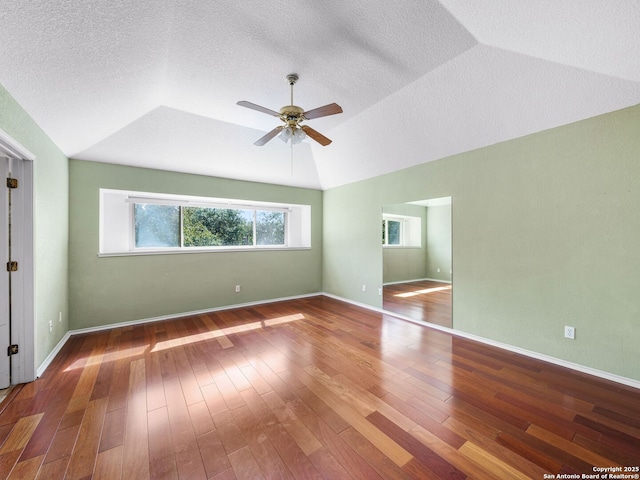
pixel 293 116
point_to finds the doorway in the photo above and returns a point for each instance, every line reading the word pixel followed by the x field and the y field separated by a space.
pixel 17 329
pixel 417 254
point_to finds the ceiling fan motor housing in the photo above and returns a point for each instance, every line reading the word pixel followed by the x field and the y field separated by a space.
pixel 291 115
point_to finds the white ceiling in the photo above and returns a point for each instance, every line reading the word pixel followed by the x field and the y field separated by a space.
pixel 154 83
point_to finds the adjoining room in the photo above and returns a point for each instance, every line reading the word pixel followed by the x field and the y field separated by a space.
pixel 417 270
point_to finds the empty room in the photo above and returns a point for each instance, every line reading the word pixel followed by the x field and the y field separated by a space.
pixel 332 240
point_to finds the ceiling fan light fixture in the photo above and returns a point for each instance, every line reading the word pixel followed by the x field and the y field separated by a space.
pixel 298 135
pixel 286 134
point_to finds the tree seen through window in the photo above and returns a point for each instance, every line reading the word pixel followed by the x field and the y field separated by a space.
pixel 158 226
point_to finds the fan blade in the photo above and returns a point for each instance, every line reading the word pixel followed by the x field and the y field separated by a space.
pixel 330 109
pixel 317 136
pixel 260 142
pixel 253 106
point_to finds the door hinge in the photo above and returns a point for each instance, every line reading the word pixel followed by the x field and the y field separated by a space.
pixel 12 266
pixel 12 183
pixel 12 350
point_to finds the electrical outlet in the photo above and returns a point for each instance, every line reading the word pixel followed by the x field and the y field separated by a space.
pixel 237 288
pixel 59 317
pixel 569 332
pixel 50 326
pixel 379 291
pixel 438 270
pixel 364 288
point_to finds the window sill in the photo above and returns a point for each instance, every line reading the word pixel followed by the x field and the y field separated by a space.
pixel 199 250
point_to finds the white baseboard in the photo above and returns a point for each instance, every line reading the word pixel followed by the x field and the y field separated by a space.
pixel 505 346
pixel 529 353
pixel 100 328
pixel 47 361
pixel 417 280
pixel 110 326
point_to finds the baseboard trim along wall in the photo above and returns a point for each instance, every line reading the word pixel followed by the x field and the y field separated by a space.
pixel 47 361
pixel 529 353
pixel 417 280
pixel 100 328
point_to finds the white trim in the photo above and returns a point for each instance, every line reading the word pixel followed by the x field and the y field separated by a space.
pixel 505 346
pixel 417 280
pixel 47 361
pixel 539 356
pixel 5 276
pixel 43 366
pixel 410 230
pixel 23 311
pixel 182 250
pixel 13 148
pixel 185 201
pixel 129 323
pixel 23 368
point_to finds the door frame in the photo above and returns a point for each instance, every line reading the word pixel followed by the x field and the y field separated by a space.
pixel 23 364
pixel 5 276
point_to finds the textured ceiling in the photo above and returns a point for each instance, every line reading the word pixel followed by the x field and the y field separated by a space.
pixel 155 83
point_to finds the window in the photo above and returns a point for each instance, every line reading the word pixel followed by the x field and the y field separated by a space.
pixel 401 231
pixel 391 232
pixel 156 225
pixel 140 223
pixel 270 228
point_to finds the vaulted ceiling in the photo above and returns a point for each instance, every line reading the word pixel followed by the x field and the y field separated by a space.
pixel 154 83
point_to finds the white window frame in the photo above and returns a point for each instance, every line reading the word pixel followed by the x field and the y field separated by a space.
pixel 386 220
pixel 117 222
pixel 410 231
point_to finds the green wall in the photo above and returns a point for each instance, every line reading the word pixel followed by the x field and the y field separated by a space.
pixel 109 290
pixel 439 242
pixel 545 232
pixel 51 174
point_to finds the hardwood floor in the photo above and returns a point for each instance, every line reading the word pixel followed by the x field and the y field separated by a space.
pixel 310 388
pixel 423 300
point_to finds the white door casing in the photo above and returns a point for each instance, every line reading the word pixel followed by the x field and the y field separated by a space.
pixel 5 329
pixel 23 368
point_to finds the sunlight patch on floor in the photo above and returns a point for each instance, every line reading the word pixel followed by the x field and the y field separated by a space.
pixel 220 334
pixel 94 360
pixel 223 332
pixel 422 292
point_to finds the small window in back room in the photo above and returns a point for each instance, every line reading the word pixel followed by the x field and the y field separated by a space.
pixel 401 231
pixel 391 232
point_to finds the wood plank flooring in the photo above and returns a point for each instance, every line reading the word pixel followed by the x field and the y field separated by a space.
pixel 309 389
pixel 422 300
